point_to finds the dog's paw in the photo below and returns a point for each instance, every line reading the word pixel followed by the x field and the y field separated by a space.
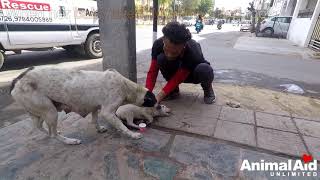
pixel 72 141
pixel 136 135
pixel 102 129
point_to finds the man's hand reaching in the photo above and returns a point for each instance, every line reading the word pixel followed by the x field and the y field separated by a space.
pixel 160 96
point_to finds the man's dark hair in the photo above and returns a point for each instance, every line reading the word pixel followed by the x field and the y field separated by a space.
pixel 177 33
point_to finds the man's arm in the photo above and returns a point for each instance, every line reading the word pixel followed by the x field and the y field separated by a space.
pixel 177 79
pixel 152 75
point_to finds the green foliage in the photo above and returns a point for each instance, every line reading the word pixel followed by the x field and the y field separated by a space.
pixel 218 13
pixel 204 6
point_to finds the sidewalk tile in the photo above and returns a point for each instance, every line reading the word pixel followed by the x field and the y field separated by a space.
pixel 184 102
pixel 196 172
pixel 314 146
pixel 307 118
pixel 160 168
pixel 278 112
pixel 205 110
pixel 189 123
pixel 221 158
pixel 236 132
pixel 237 115
pixel 152 141
pixel 275 122
pixel 279 141
pixel 308 128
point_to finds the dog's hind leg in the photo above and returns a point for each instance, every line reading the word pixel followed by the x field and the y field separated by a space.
pixel 51 118
pixel 42 109
pixel 37 124
pixel 109 114
pixel 100 129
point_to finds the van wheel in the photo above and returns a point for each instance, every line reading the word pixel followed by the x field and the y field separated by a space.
pixel 93 47
pixel 1 59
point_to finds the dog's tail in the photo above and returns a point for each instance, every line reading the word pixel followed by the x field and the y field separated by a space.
pixel 19 77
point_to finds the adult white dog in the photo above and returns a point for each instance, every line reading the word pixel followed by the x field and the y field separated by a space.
pixel 45 91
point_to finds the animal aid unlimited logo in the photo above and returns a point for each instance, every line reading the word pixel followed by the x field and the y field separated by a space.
pixel 306 167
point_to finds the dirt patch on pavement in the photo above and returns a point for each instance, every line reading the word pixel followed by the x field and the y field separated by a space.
pixel 268 100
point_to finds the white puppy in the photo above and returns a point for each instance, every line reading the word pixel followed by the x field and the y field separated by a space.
pixel 129 112
pixel 45 91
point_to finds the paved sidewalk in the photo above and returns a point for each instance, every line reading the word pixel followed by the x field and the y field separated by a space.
pixel 272 46
pixel 197 141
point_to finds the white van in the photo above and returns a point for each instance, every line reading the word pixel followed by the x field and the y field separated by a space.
pixel 43 24
pixel 278 25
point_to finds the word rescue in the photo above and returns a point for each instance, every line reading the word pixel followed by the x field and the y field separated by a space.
pixel 22 5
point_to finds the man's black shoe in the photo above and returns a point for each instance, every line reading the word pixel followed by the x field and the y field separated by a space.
pixel 209 95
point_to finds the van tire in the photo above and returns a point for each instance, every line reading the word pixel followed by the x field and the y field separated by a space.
pixel 1 59
pixel 92 47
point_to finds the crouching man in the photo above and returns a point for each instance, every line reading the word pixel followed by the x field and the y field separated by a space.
pixel 180 60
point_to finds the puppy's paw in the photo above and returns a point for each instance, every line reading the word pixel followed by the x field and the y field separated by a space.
pixel 136 135
pixel 72 141
pixel 102 129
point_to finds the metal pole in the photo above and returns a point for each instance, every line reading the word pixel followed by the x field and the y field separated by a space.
pixel 155 19
pixel 118 36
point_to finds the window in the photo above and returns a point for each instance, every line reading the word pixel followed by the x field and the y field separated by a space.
pixel 271 3
pixel 62 11
pixel 308 11
pixel 311 4
pixel 288 20
pixel 282 20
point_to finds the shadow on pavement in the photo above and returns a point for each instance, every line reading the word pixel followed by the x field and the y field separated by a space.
pixel 27 59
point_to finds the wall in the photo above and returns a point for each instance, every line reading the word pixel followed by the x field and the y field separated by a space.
pixel 299 29
pixel 290 7
pixel 282 8
pixel 304 4
pixel 275 10
pixel 312 4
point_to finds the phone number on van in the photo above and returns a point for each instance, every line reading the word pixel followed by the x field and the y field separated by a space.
pixel 24 19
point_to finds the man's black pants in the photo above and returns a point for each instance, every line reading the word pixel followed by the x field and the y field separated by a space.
pixel 202 73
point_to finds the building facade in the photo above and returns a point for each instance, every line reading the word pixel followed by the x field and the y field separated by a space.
pixel 281 7
pixel 262 7
pixel 305 25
